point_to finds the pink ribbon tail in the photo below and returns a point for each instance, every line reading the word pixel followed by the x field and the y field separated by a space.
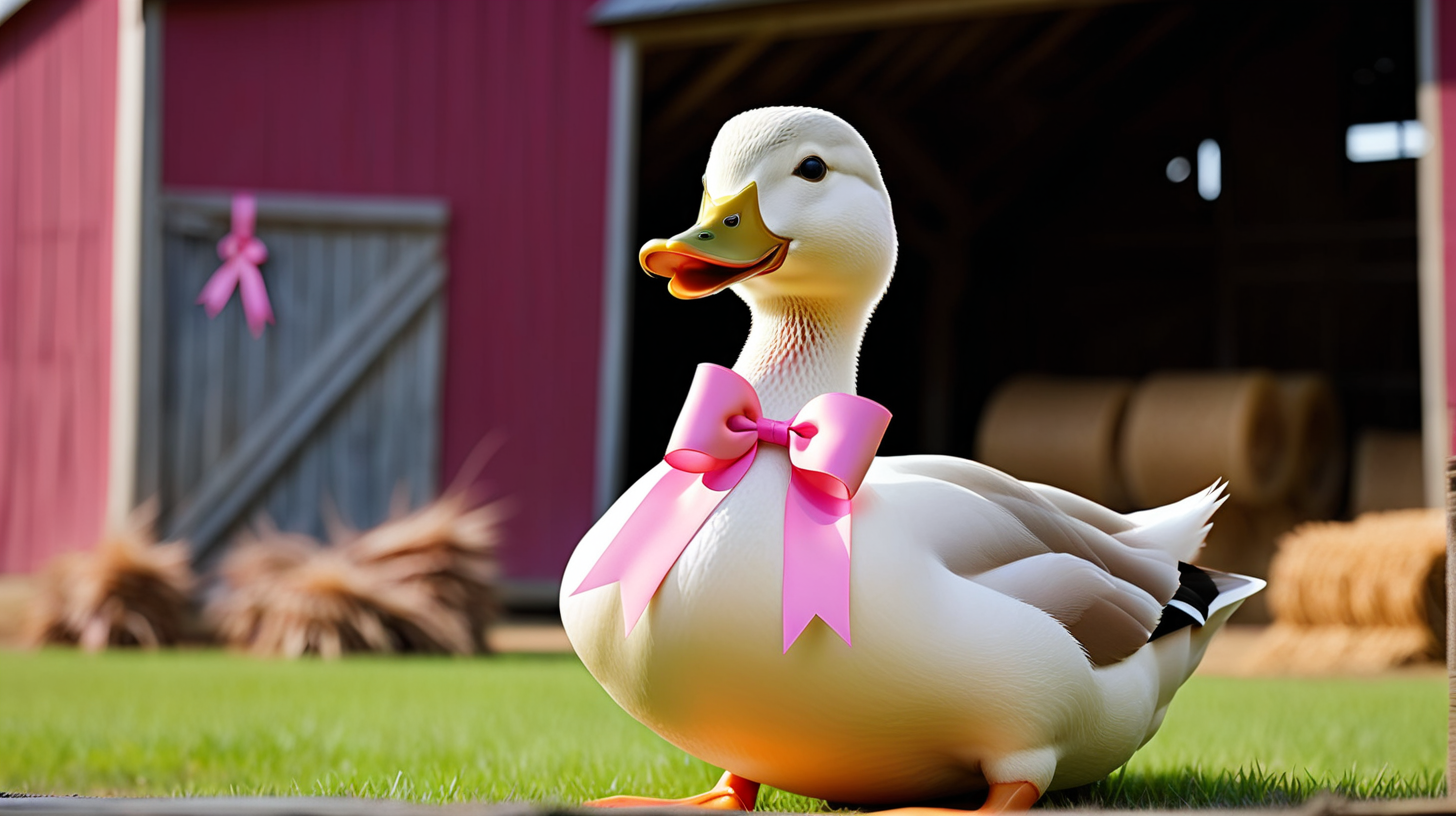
pixel 657 532
pixel 816 560
pixel 219 288
pixel 254 294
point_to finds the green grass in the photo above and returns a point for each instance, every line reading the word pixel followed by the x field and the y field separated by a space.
pixel 1232 742
pixel 540 729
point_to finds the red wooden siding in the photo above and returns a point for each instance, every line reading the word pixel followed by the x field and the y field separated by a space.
pixel 57 136
pixel 499 107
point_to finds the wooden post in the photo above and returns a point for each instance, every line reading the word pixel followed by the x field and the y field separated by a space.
pixel 126 233
pixel 1436 98
pixel 1450 623
pixel 618 266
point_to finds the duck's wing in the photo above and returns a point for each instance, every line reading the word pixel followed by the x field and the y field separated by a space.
pixel 1103 575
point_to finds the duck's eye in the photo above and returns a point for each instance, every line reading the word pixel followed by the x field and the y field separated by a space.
pixel 811 168
pixel 731 221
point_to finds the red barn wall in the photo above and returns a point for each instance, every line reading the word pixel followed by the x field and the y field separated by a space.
pixel 57 151
pixel 500 108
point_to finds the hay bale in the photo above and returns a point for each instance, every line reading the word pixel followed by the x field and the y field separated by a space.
pixel 1185 430
pixel 128 591
pixel 1060 431
pixel 1361 595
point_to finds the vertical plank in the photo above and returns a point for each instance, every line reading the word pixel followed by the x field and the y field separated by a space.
pixel 1437 43
pixel 182 413
pixel 387 445
pixel 152 309
pixel 344 276
pixel 316 294
pixel 46 428
pixel 370 423
pixel 430 367
pixel 125 278
pixel 28 69
pixel 254 352
pixel 1450 620
pixel 9 279
pixel 61 409
pixel 214 335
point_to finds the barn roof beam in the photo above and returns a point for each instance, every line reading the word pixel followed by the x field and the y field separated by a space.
pixel 701 22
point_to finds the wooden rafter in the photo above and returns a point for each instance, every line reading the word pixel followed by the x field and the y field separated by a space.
pixel 954 53
pixel 711 80
pixel 1052 38
pixel 829 17
pixel 929 41
pixel 867 61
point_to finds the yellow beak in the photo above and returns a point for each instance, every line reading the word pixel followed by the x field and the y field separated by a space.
pixel 728 244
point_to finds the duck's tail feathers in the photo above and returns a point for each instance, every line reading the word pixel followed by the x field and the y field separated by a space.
pixel 1233 589
pixel 1178 656
pixel 1178 528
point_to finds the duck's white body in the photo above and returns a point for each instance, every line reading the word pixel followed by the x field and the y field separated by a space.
pixel 952 682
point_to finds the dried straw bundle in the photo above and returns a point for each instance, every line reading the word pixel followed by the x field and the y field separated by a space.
pixel 421 582
pixel 448 550
pixel 129 591
pixel 1361 595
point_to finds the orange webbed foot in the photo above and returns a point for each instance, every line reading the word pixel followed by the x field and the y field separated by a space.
pixel 1004 797
pixel 731 793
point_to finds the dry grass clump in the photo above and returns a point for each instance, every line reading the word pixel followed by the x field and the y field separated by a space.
pixel 1366 594
pixel 448 549
pixel 129 591
pixel 420 582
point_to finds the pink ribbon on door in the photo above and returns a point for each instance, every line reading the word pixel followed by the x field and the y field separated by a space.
pixel 831 443
pixel 241 252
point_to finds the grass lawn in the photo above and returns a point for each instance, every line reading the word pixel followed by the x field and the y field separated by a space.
pixel 539 728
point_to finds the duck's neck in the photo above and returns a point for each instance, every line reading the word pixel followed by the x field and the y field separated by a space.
pixel 798 349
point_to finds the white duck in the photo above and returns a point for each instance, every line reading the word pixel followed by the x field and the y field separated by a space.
pixel 1000 629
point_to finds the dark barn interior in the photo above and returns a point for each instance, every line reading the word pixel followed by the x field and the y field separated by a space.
pixel 1027 156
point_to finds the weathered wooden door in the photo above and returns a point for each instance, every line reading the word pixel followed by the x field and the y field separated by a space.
pixel 339 401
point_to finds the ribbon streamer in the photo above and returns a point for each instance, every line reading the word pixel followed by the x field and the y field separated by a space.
pixel 831 443
pixel 241 252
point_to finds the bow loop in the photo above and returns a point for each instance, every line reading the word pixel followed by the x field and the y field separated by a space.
pixel 710 431
pixel 836 446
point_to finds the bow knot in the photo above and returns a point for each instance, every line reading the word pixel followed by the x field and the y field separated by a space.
pixel 245 247
pixel 771 431
pixel 831 443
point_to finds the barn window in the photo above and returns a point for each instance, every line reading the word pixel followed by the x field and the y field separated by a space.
pixel 1385 141
pixel 1210 169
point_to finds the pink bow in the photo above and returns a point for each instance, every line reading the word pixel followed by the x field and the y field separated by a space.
pixel 831 443
pixel 241 253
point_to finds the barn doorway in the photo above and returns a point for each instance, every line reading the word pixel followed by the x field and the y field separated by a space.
pixel 1044 172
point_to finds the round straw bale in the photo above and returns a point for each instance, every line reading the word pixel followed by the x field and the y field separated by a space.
pixel 1058 431
pixel 1183 431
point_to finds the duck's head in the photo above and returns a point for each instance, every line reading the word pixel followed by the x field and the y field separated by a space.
pixel 793 206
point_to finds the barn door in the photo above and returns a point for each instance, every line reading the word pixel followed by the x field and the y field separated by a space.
pixel 339 401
